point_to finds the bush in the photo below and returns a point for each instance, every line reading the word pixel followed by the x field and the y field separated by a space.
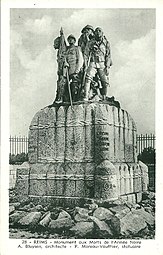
pixel 18 159
pixel 148 156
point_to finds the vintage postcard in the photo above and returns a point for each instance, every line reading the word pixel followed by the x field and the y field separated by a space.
pixel 81 127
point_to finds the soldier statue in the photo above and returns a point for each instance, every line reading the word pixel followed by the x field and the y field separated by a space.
pixel 73 64
pixel 70 61
pixel 60 45
pixel 86 36
pixel 83 70
pixel 97 61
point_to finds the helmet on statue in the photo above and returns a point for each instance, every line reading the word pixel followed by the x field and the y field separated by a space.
pixel 71 36
pixel 87 27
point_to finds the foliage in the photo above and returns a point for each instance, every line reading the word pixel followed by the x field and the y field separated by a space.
pixel 18 159
pixel 148 155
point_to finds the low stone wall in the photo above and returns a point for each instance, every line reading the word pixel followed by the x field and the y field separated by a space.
pixel 152 176
pixel 12 176
pixel 132 180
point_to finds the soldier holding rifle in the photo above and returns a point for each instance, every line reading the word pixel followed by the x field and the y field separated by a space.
pixel 73 64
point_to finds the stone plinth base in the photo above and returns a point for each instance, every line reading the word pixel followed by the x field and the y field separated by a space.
pixel 89 132
pixel 108 183
pixel 84 151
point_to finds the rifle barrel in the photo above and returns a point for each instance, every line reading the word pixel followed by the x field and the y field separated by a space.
pixel 69 89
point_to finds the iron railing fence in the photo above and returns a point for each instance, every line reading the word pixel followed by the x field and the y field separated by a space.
pixel 145 141
pixel 20 144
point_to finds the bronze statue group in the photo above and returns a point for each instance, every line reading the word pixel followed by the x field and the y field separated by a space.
pixel 83 70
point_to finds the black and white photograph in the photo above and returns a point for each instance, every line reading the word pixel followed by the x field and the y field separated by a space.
pixel 82 128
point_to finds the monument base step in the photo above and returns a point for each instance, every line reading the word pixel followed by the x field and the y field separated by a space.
pixel 76 201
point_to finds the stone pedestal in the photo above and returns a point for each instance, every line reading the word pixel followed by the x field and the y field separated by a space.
pixel 88 151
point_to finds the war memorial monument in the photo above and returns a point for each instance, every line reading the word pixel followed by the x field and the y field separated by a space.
pixel 82 147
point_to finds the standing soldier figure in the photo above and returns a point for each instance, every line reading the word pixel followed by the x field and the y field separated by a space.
pixel 86 36
pixel 60 45
pixel 73 64
pixel 97 57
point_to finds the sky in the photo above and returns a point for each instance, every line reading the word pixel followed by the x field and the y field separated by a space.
pixel 33 66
